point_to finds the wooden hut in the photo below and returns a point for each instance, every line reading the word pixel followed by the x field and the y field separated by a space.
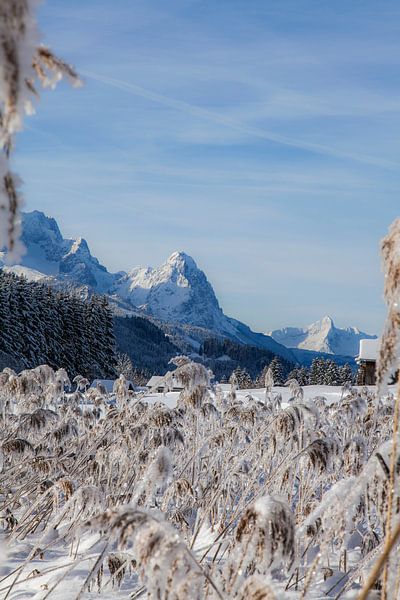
pixel 366 360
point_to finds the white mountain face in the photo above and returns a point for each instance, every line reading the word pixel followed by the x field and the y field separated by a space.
pixel 322 336
pixel 50 255
pixel 179 292
pixel 176 292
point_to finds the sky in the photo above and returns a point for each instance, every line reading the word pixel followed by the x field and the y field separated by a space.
pixel 261 137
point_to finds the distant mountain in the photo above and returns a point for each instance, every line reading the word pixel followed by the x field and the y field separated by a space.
pixel 177 291
pixel 322 336
pixel 176 294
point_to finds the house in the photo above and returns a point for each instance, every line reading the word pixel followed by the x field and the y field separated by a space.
pixel 158 383
pixel 108 384
pixel 367 359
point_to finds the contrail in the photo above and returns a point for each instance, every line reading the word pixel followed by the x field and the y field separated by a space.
pixel 209 115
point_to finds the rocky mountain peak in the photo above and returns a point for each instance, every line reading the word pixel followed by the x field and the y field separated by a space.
pixel 37 227
pixel 181 261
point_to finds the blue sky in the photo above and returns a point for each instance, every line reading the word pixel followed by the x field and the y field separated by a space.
pixel 261 137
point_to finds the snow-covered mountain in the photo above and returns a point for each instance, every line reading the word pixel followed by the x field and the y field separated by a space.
pixel 50 255
pixel 177 292
pixel 322 336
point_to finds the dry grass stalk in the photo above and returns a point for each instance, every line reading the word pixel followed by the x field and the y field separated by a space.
pixel 210 471
pixel 388 353
pixel 373 576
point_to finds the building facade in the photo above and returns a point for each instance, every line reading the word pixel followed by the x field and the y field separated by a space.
pixel 366 360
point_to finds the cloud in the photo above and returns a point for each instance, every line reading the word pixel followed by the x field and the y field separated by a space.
pixel 264 134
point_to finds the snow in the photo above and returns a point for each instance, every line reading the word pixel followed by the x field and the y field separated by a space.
pixel 80 245
pixel 48 253
pixel 369 349
pixel 176 292
pixel 36 260
pixel 37 578
pixel 155 381
pixel 162 289
pixel 332 394
pixel 29 274
pixel 108 384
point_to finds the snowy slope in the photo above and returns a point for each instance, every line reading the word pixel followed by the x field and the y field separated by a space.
pixel 322 336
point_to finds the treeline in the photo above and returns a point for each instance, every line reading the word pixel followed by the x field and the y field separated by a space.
pixel 223 356
pixel 322 372
pixel 40 324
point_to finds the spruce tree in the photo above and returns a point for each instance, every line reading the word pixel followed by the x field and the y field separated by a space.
pixel 346 374
pixel 277 371
pixel 331 373
pixel 316 371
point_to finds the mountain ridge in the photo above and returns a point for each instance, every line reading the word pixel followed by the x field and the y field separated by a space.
pixel 176 294
pixel 322 336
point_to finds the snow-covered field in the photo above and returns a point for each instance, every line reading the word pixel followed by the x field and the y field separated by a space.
pixel 330 392
pixel 209 493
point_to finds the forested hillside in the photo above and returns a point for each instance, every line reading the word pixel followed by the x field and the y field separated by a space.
pixel 147 346
pixel 40 324
pixel 224 356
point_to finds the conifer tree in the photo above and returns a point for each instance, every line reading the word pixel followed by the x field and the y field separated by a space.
pixel 245 382
pixel 277 371
pixel 316 371
pixel 346 374
pixel 331 373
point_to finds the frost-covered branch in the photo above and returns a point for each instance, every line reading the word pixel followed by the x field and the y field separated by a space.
pixel 23 63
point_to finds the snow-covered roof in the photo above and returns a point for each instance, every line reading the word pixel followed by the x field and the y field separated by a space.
pixel 369 349
pixel 159 381
pixel 109 384
pixel 156 381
